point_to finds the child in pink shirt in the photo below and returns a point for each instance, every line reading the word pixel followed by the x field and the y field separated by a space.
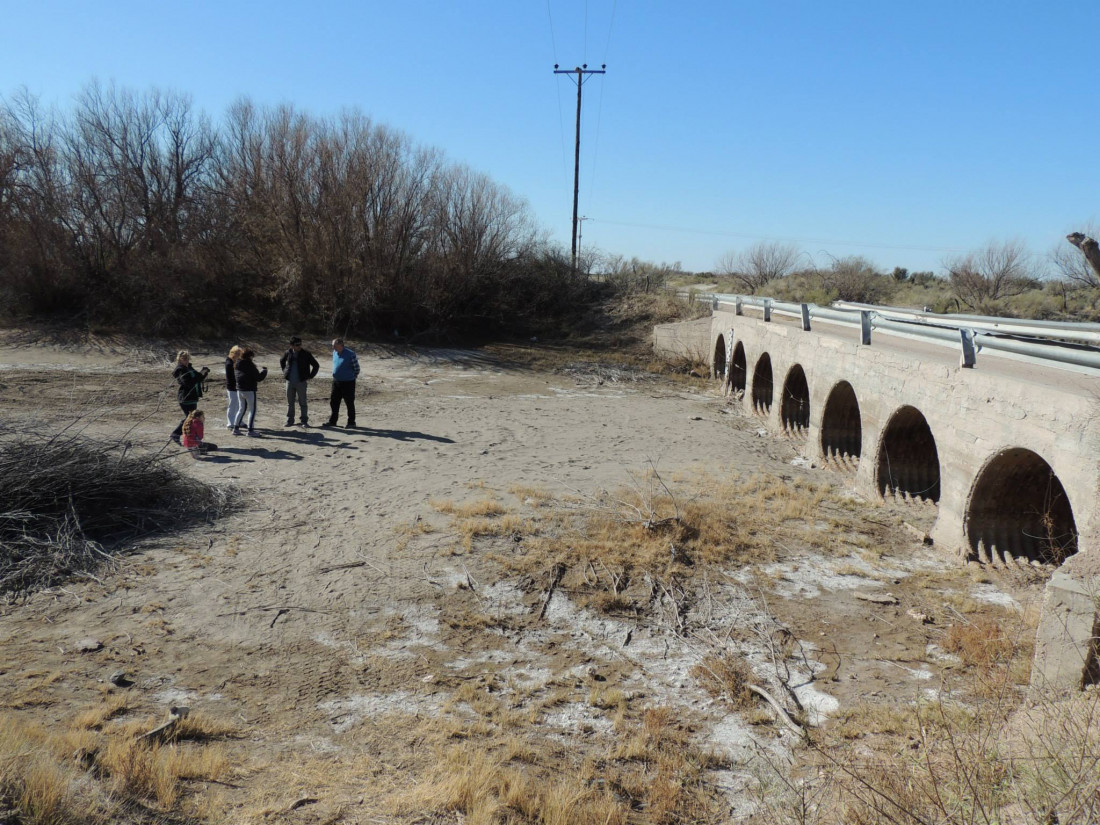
pixel 193 431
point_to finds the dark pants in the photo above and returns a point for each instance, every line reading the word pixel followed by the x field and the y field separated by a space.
pixel 342 390
pixel 187 408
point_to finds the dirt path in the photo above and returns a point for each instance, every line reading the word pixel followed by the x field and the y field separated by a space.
pixel 329 617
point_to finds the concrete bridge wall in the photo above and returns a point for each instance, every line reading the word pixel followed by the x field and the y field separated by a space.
pixel 1008 450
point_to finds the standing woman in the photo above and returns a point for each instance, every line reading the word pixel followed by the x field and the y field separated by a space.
pixel 189 381
pixel 248 380
pixel 231 387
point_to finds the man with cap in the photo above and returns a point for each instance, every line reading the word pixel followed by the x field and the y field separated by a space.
pixel 298 366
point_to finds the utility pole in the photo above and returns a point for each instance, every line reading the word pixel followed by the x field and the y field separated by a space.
pixel 581 73
pixel 580 236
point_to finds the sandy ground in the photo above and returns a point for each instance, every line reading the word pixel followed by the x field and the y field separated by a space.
pixel 319 620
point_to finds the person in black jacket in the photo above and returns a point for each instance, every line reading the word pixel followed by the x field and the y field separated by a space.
pixel 248 379
pixel 298 366
pixel 189 381
pixel 231 386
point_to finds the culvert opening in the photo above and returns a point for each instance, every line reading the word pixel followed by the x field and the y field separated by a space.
pixel 795 406
pixel 1019 510
pixel 739 371
pixel 762 385
pixel 908 463
pixel 841 426
pixel 720 357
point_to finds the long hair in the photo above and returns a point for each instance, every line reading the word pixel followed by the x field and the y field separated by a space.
pixel 235 352
pixel 193 416
pixel 181 355
pixel 248 353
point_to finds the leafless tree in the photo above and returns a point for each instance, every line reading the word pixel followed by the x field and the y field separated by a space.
pixel 761 263
pixel 1081 268
pixel 1000 270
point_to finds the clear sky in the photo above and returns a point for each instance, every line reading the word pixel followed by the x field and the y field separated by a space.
pixel 902 131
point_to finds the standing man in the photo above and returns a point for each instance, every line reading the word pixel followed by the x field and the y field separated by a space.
pixel 345 369
pixel 298 366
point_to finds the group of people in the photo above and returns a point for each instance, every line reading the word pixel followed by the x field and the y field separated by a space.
pixel 242 379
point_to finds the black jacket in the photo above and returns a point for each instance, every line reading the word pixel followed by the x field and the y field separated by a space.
pixel 248 376
pixel 230 375
pixel 305 359
pixel 190 384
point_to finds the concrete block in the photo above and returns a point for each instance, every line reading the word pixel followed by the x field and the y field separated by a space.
pixel 1065 643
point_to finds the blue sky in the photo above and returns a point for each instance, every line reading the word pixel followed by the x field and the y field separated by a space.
pixel 905 132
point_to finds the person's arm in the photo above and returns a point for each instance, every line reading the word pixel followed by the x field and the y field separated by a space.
pixel 314 367
pixel 355 364
pixel 262 374
pixel 282 361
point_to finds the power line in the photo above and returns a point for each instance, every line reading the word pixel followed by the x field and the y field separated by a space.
pixel 557 88
pixel 787 239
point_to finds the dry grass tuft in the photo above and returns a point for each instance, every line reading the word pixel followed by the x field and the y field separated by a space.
pixel 726 676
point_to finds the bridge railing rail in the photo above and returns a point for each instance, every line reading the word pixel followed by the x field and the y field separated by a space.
pixel 1053 341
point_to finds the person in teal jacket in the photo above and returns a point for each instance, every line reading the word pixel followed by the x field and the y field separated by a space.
pixel 345 369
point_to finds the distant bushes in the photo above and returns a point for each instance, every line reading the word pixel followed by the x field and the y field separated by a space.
pixel 66 499
pixel 138 209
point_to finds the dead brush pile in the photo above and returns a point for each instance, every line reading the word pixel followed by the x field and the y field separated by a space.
pixel 66 500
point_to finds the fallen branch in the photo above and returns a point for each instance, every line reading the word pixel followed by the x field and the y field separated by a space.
pixel 779 709
pixel 559 571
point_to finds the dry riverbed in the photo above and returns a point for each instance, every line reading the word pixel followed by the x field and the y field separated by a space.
pixel 432 617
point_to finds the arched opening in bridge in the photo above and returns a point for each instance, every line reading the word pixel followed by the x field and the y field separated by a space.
pixel 908 463
pixel 841 426
pixel 762 385
pixel 720 357
pixel 739 371
pixel 1019 510
pixel 794 409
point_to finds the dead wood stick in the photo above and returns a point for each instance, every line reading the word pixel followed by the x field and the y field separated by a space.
pixel 559 571
pixel 783 715
pixel 347 566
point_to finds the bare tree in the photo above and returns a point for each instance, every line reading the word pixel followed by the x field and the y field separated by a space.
pixel 1082 269
pixel 1000 270
pixel 761 263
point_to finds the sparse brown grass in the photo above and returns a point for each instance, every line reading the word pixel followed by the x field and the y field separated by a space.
pixel 726 676
pixel 80 773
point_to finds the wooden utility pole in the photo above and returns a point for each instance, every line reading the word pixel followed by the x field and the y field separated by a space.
pixel 580 72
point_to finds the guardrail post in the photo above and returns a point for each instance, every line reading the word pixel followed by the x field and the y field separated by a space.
pixel 865 327
pixel 805 317
pixel 714 304
pixel 969 354
pixel 738 307
pixel 767 309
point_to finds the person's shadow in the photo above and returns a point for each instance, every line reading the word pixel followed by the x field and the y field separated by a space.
pixel 260 452
pixel 402 435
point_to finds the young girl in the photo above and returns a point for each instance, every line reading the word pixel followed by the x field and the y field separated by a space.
pixel 193 431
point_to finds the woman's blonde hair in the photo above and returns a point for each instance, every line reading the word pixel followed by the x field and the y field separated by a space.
pixel 183 354
pixel 191 416
pixel 235 352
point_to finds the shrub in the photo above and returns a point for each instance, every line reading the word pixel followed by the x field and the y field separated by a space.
pixel 67 499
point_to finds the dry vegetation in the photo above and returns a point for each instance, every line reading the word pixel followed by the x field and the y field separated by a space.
pixel 68 499
pixel 98 767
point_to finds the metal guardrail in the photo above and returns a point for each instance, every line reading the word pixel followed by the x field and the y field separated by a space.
pixel 1065 343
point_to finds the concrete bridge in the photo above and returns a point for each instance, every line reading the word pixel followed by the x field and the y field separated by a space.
pixel 1007 450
